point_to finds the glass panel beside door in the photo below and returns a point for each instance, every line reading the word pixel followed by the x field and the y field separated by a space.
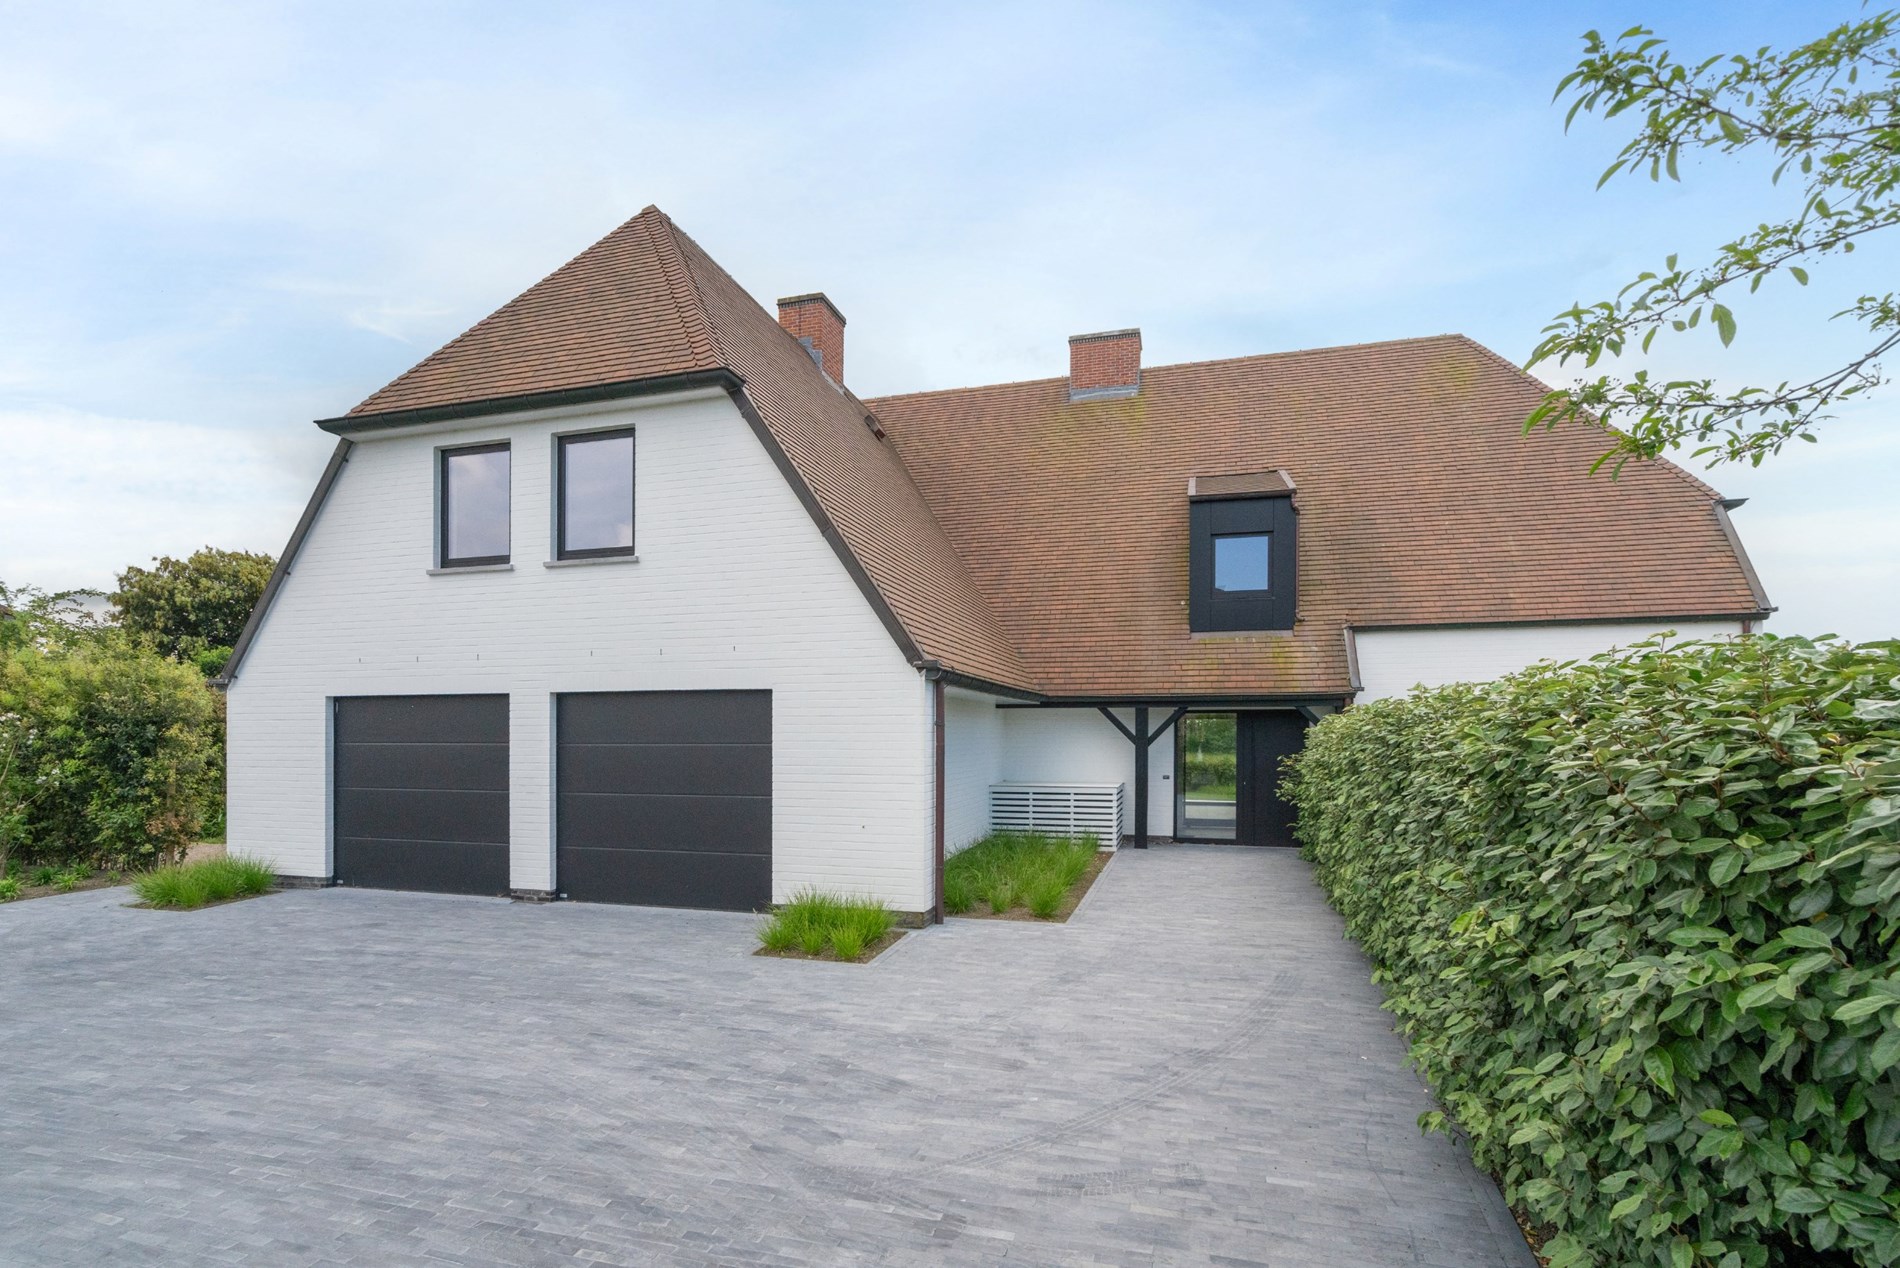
pixel 1205 808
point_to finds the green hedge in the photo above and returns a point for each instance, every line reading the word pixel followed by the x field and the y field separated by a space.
pixel 1637 919
pixel 115 753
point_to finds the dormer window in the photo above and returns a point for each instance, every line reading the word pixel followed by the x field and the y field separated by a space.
pixel 1241 553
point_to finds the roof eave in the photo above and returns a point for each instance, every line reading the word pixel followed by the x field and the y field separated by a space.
pixel 719 378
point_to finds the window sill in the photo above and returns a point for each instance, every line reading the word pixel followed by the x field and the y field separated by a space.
pixel 583 563
pixel 450 572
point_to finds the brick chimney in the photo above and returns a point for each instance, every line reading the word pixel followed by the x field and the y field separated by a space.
pixel 1104 365
pixel 816 322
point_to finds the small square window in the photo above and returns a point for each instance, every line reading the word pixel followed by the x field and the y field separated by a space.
pixel 474 500
pixel 596 507
pixel 1241 562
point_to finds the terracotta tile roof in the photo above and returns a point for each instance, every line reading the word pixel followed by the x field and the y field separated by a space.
pixel 859 480
pixel 1420 499
pixel 1022 539
pixel 646 302
pixel 617 312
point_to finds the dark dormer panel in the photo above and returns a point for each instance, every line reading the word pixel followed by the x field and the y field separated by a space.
pixel 1242 558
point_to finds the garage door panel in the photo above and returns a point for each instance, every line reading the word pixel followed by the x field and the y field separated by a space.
pixel 420 793
pixel 730 882
pixel 422 719
pixel 416 814
pixel 737 770
pixel 726 825
pixel 665 798
pixel 443 767
pixel 697 717
pixel 439 867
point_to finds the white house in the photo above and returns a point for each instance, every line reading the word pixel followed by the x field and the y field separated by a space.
pixel 622 596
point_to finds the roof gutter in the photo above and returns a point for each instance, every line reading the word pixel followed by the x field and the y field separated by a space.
pixel 1722 506
pixel 355 424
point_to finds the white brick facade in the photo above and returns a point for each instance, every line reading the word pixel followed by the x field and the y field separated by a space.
pixel 1392 662
pixel 734 588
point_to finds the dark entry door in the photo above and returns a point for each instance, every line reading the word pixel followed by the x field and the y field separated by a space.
pixel 421 793
pixel 665 798
pixel 1264 818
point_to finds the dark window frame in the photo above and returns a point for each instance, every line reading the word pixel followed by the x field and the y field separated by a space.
pixel 561 443
pixel 1212 611
pixel 444 492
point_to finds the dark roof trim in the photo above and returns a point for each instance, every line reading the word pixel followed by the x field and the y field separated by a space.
pixel 724 380
pixel 1639 619
pixel 839 546
pixel 325 483
pixel 1722 507
pixel 1282 700
pixel 951 678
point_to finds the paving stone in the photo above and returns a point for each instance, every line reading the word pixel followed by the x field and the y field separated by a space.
pixel 1195 1070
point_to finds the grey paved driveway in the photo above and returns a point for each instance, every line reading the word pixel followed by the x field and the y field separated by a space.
pixel 1194 1071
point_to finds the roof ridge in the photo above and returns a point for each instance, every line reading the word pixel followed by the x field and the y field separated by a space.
pixel 688 300
pixel 1181 365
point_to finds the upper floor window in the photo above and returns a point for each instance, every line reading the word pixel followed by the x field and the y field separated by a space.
pixel 596 495
pixel 1241 554
pixel 474 505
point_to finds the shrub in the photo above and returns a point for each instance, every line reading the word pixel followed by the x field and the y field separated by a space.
pixel 9 888
pixel 125 745
pixel 1005 869
pixel 192 885
pixel 815 922
pixel 1639 920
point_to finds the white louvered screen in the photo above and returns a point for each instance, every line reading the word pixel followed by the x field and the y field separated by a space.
pixel 1060 809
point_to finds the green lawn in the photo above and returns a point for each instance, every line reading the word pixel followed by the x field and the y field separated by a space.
pixel 1009 870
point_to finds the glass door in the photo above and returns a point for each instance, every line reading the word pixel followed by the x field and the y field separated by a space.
pixel 1204 777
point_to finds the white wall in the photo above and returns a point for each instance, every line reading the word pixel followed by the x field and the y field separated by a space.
pixel 972 761
pixel 733 588
pixel 1079 746
pixel 1392 662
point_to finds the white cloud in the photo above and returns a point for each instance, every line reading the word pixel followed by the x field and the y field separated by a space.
pixel 87 495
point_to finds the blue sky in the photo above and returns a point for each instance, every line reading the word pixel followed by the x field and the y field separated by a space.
pixel 223 221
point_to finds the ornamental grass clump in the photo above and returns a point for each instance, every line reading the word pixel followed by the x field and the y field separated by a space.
pixel 191 885
pixel 1005 870
pixel 1639 921
pixel 818 924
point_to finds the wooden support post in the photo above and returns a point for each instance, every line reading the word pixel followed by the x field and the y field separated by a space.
pixel 1142 740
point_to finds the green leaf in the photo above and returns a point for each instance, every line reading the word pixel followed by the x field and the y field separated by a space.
pixel 1724 323
pixel 1773 860
pixel 1807 936
pixel 1800 274
pixel 1865 1006
pixel 1799 1200
pixel 1726 867
pixel 1660 1069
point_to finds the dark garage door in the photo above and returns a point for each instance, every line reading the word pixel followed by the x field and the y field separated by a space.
pixel 422 793
pixel 665 798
